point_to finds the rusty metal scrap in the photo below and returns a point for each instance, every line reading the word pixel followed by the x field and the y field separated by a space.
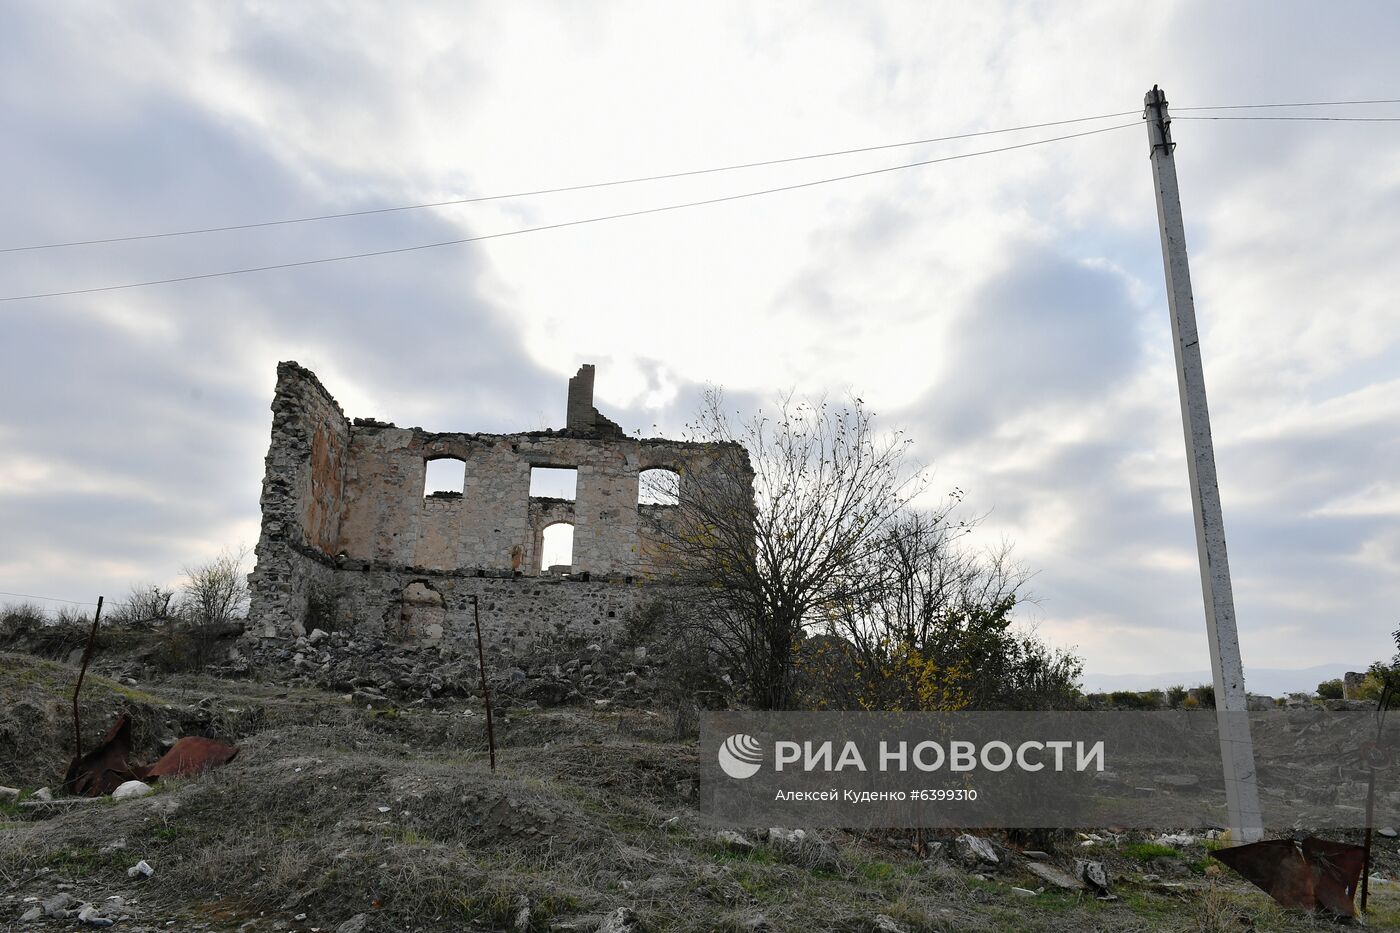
pixel 106 767
pixel 189 756
pixel 1308 875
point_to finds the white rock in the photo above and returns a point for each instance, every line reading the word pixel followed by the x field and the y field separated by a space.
pixel 93 917
pixel 142 869
pixel 1179 840
pixel 132 789
pixel 887 924
pixel 1053 875
pixel 622 920
pixel 42 793
pixel 733 840
pixel 9 794
pixel 974 850
pixel 355 924
pixel 522 915
pixel 1024 892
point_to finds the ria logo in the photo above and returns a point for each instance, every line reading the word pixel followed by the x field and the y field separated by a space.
pixel 740 756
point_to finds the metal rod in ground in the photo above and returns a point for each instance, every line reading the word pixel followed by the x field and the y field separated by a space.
pixel 1366 846
pixel 485 690
pixel 78 687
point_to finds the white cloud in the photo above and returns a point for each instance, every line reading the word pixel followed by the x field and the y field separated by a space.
pixel 1007 310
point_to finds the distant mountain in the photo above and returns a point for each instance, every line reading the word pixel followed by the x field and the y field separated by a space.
pixel 1265 680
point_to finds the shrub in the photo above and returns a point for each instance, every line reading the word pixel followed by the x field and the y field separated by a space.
pixel 1149 699
pixel 147 605
pixel 19 618
pixel 1330 689
pixel 1176 696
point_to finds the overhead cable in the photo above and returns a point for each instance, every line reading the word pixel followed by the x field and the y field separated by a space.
pixel 562 224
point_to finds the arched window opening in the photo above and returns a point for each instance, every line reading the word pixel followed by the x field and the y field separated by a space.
pixel 421 614
pixel 557 548
pixel 444 477
pixel 659 487
pixel 554 483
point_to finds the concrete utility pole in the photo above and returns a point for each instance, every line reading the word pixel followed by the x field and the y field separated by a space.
pixel 1231 703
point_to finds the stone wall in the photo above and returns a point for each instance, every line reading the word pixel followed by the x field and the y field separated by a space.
pixel 518 614
pixel 303 499
pixel 346 521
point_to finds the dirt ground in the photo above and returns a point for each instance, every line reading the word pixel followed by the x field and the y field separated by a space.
pixel 339 817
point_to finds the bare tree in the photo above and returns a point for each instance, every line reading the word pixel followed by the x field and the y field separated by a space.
pixel 213 600
pixel 778 536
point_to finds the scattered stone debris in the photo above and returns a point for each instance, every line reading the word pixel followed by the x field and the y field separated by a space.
pixel 43 795
pixel 64 906
pixel 1178 840
pixel 887 924
pixel 9 794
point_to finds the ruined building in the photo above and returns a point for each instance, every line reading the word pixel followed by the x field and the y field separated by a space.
pixel 351 537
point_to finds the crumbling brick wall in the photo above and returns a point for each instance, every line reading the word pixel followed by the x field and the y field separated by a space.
pixel 345 517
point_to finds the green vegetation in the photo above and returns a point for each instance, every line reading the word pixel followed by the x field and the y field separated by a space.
pixel 1146 851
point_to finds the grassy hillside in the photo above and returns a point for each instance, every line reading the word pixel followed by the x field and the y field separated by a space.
pixel 333 811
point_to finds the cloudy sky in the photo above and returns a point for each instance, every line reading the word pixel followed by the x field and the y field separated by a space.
pixel 1006 310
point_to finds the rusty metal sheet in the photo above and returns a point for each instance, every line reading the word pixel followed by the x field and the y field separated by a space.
pixel 107 766
pixel 1307 875
pixel 104 768
pixel 189 756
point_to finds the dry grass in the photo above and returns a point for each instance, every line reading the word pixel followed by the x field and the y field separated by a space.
pixel 571 824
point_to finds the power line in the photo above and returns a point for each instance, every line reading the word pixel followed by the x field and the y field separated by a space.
pixel 52 599
pixel 1314 103
pixel 563 224
pixel 647 178
pixel 560 190
pixel 1304 119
